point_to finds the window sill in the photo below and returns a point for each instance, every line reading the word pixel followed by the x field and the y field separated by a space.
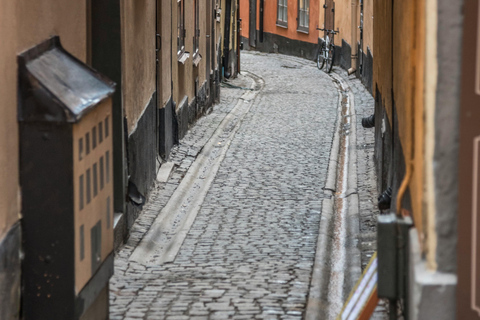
pixel 182 57
pixel 303 31
pixel 197 57
pixel 282 25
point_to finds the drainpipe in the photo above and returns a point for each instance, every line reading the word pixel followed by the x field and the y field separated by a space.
pixel 226 38
pixel 354 39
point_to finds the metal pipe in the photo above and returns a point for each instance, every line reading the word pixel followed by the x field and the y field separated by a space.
pixel 354 38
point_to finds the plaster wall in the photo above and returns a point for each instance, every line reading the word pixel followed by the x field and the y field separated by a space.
pixel 270 20
pixel 9 189
pixel 24 24
pixel 139 61
pixel 399 64
pixel 165 63
pixel 368 26
pixel 245 16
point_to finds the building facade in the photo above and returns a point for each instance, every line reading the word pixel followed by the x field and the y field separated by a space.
pixel 167 59
pixel 282 26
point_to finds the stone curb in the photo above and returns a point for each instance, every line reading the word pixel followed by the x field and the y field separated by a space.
pixel 318 303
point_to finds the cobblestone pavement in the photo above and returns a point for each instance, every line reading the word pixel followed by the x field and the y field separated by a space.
pixel 250 252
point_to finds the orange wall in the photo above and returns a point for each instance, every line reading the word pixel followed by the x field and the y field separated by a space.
pixel 270 20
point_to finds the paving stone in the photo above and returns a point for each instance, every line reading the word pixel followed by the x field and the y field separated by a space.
pixel 250 251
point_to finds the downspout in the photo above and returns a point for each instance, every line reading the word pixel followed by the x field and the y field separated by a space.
pixel 354 39
pixel 360 54
pixel 226 38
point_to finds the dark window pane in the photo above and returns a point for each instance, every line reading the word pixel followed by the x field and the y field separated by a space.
pixel 107 165
pixel 82 243
pixel 89 193
pixel 87 143
pixel 94 137
pixel 106 127
pixel 102 172
pixel 100 132
pixel 95 181
pixel 80 191
pixel 108 212
pixel 80 149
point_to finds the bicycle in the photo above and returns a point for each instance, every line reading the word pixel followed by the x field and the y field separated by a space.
pixel 326 54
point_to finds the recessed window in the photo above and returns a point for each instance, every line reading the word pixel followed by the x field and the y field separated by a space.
pixel 87 143
pixel 107 166
pixel 80 149
pixel 82 242
pixel 180 27
pixel 106 127
pixel 102 172
pixel 108 212
pixel 80 191
pixel 100 132
pixel 95 180
pixel 303 15
pixel 282 13
pixel 89 182
pixel 94 137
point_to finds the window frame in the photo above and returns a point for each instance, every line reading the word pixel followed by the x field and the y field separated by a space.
pixel 181 32
pixel 284 6
pixel 306 11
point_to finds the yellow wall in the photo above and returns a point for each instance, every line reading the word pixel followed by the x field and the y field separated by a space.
pixel 368 26
pixel 9 207
pixel 406 58
pixel 139 57
pixel 24 24
pixel 343 20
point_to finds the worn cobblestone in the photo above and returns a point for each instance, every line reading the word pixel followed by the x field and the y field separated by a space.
pixel 250 252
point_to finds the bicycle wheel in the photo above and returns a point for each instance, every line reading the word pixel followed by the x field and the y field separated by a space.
pixel 320 56
pixel 330 58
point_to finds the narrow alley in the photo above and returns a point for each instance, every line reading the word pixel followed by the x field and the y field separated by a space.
pixel 247 249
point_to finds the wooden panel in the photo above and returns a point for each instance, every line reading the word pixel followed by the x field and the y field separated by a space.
pixel 93 190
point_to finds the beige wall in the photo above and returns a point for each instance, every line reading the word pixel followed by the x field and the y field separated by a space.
pixel 22 25
pixel 368 26
pixel 165 66
pixel 139 61
pixel 9 208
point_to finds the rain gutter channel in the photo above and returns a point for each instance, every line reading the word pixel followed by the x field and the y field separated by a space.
pixel 337 260
pixel 165 237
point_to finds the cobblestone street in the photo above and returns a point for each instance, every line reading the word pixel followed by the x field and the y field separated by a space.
pixel 250 250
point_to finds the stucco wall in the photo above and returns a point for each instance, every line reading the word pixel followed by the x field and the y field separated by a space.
pixel 270 20
pixel 9 208
pixel 138 46
pixel 22 25
pixel 165 65
pixel 368 26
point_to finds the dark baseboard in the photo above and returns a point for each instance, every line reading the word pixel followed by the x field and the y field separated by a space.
pixel 10 273
pixel 142 155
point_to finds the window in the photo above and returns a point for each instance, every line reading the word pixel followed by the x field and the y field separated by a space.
pixel 196 37
pixel 303 15
pixel 180 27
pixel 282 13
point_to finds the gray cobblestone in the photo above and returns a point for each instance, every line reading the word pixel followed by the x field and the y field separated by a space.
pixel 250 252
